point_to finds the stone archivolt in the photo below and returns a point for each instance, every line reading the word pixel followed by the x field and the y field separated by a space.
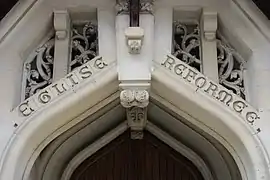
pixel 216 91
pixel 69 82
pixel 139 99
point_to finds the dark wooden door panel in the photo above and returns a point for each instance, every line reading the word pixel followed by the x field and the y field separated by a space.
pixel 127 159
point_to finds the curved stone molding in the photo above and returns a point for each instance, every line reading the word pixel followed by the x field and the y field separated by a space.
pixel 138 98
pixel 91 149
pixel 68 83
pixel 216 91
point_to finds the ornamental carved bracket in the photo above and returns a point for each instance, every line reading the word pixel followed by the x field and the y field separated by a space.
pixel 218 92
pixel 135 102
pixel 136 118
pixel 138 98
pixel 134 36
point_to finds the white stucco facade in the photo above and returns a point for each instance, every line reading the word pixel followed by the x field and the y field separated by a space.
pixel 215 125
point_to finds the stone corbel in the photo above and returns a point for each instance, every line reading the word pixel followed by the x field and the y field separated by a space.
pixel 209 24
pixel 61 23
pixel 138 98
pixel 135 101
pixel 134 36
pixel 136 118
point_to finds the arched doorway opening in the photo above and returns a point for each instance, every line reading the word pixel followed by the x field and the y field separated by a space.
pixel 128 159
pixel 69 153
pixel 219 140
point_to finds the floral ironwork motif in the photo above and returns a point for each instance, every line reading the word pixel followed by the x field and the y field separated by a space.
pixel 187 44
pixel 230 68
pixel 84 44
pixel 39 69
pixel 122 6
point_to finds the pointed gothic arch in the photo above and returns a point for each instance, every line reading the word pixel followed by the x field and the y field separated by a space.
pixel 47 122
pixel 42 119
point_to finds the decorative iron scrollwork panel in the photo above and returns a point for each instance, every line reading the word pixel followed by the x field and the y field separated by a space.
pixel 187 44
pixel 84 44
pixel 39 69
pixel 230 68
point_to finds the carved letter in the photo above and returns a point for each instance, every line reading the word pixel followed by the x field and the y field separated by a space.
pixel 44 97
pixel 227 97
pixel 200 84
pixel 59 91
pixel 212 87
pixel 251 117
pixel 25 109
pixel 169 61
pixel 72 80
pixel 191 74
pixel 100 64
pixel 179 69
pixel 238 106
pixel 85 72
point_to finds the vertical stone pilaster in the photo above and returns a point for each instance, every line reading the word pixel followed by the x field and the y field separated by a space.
pixel 209 44
pixel 62 44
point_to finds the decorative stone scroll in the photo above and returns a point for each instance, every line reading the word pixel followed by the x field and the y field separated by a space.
pixel 231 68
pixel 84 44
pixel 69 82
pixel 187 44
pixel 122 7
pixel 212 89
pixel 38 69
pixel 138 98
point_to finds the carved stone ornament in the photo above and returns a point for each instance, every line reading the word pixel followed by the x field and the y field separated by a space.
pixel 136 117
pixel 138 98
pixel 134 36
pixel 122 6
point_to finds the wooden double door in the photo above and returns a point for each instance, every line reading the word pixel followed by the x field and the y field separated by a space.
pixel 127 159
